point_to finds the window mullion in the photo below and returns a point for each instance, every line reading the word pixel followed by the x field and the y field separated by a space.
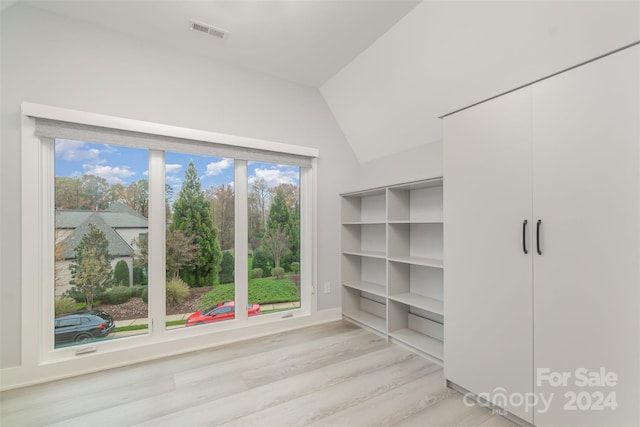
pixel 157 243
pixel 241 239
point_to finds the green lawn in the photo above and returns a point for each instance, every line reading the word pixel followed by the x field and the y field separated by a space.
pixel 265 290
pixel 145 326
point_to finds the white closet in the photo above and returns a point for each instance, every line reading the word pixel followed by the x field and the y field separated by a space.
pixel 542 244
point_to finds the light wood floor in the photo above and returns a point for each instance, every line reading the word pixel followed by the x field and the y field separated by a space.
pixel 330 375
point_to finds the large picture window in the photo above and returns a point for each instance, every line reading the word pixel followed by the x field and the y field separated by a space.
pixel 147 230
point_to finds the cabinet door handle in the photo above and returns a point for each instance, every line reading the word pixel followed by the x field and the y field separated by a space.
pixel 538 236
pixel 524 237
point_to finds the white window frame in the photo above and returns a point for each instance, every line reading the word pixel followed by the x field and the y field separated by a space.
pixel 38 228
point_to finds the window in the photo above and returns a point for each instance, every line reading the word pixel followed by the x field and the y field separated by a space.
pixel 112 206
pixel 274 236
pixel 101 207
pixel 200 244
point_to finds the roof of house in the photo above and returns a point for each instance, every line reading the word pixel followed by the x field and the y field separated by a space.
pixel 117 245
pixel 116 216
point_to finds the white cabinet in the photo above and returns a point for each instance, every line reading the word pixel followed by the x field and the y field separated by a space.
pixel 392 263
pixel 488 276
pixel 563 155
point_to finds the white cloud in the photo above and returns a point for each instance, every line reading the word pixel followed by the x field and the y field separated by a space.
pixel 173 180
pixel 71 150
pixel 216 168
pixel 173 168
pixel 275 177
pixel 113 174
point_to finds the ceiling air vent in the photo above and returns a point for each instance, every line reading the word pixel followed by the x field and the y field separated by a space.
pixel 208 29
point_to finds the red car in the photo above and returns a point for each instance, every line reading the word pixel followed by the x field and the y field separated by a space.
pixel 223 311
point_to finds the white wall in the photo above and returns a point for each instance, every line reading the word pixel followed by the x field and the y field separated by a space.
pixel 445 55
pixel 49 59
pixel 415 164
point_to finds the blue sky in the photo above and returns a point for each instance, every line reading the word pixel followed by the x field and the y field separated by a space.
pixel 124 165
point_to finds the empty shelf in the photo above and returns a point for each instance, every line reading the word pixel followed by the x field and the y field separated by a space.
pixel 372 288
pixel 419 301
pixel 426 262
pixel 370 254
pixel 421 342
pixel 368 319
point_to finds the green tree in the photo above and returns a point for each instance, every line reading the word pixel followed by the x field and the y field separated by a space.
pixel 91 268
pixel 227 268
pixel 279 214
pixel 222 202
pixel 261 260
pixel 279 226
pixel 192 216
pixel 121 274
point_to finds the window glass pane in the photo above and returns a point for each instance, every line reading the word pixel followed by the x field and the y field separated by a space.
pixel 200 239
pixel 274 237
pixel 100 213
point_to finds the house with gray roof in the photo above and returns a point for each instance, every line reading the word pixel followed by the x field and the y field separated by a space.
pixel 120 225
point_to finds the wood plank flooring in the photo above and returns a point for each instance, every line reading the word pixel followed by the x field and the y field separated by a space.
pixel 329 375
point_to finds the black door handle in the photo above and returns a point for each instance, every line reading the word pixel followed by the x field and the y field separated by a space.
pixel 524 237
pixel 538 236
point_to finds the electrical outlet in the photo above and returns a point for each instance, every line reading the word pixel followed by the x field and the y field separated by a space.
pixel 327 287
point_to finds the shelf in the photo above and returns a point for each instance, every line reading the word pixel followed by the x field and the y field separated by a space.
pixel 423 343
pixel 367 319
pixel 370 254
pixel 372 288
pixel 419 221
pixel 363 223
pixel 419 301
pixel 392 267
pixel 425 262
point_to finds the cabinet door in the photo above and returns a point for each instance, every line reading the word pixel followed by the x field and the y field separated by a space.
pixel 487 275
pixel 587 280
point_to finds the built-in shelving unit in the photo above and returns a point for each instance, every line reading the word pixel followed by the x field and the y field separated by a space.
pixel 392 263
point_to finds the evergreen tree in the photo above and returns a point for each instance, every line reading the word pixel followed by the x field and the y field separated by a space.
pixel 192 216
pixel 279 214
pixel 227 268
pixel 121 274
pixel 91 268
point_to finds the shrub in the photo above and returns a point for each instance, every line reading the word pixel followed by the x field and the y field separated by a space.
pixel 64 305
pixel 256 273
pixel 119 294
pixel 227 267
pixel 139 278
pixel 145 294
pixel 136 291
pixel 261 260
pixel 277 273
pixel 121 273
pixel 79 297
pixel 177 291
pixel 295 267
